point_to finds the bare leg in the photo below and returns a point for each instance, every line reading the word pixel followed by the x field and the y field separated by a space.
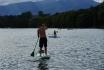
pixel 40 51
pixel 46 51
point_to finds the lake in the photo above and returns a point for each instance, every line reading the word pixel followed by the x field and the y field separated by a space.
pixel 73 49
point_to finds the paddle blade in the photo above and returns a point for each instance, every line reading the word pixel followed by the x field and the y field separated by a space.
pixel 32 54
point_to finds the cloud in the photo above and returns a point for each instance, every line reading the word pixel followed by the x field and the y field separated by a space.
pixel 99 1
pixel 6 2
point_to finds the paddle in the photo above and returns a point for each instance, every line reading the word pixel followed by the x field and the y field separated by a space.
pixel 32 54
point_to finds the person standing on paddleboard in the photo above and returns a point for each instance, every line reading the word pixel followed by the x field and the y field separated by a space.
pixel 55 34
pixel 41 32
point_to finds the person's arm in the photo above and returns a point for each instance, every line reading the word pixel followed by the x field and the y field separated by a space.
pixel 45 27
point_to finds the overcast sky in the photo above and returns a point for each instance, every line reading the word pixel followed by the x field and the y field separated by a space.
pixel 5 2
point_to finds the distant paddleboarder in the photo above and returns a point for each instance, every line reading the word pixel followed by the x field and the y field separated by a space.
pixel 41 32
pixel 55 34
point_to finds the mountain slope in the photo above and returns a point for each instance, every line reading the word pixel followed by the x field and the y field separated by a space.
pixel 48 6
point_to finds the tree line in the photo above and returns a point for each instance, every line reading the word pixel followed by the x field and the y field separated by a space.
pixel 92 17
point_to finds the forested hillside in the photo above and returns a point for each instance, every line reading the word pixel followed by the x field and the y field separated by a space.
pixel 92 17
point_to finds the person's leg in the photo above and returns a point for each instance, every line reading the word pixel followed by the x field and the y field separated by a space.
pixel 45 46
pixel 45 50
pixel 55 36
pixel 40 51
pixel 40 45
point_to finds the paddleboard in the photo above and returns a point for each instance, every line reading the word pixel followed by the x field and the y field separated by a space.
pixel 53 36
pixel 45 57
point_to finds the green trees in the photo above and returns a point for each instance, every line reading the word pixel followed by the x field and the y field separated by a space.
pixel 84 18
pixel 17 21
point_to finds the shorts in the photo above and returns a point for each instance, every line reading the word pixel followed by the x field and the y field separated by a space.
pixel 43 42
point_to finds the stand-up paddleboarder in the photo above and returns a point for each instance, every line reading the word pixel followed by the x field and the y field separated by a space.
pixel 41 32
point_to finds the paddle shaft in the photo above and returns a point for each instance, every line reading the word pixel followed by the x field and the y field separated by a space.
pixel 36 44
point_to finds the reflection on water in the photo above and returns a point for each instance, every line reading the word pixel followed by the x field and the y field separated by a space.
pixel 43 64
